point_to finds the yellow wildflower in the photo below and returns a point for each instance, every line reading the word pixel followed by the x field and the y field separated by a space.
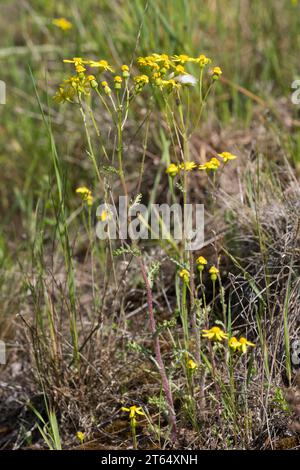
pixel 213 164
pixel 187 166
pixel 215 333
pixel 182 58
pixel 118 82
pixel 244 343
pixel 80 436
pixel 125 71
pixel 192 365
pixel 80 68
pixel 101 64
pixel 201 262
pixel 133 411
pixel 226 156
pixel 217 72
pixel 76 61
pixel 62 23
pixel 106 88
pixel 180 69
pixel 172 170
pixel 140 81
pixel 213 271
pixel 202 60
pixel 86 195
pixel 233 343
pixel 185 275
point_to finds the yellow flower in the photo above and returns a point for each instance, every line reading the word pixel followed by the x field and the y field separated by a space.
pixel 140 81
pixel 213 271
pixel 213 164
pixel 62 23
pixel 233 343
pixel 182 58
pixel 106 88
pixel 244 343
pixel 217 72
pixel 201 262
pixel 86 195
pixel 101 64
pixel 188 166
pixel 185 275
pixel 80 436
pixel 80 68
pixel 172 170
pixel 133 411
pixel 202 60
pixel 180 69
pixel 93 81
pixel 215 334
pixel 118 82
pixel 226 156
pixel 125 71
pixel 192 365
pixel 76 61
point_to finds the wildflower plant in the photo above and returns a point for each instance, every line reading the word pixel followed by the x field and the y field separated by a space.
pixel 170 81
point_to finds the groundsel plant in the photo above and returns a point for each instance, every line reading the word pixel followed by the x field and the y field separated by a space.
pixel 172 83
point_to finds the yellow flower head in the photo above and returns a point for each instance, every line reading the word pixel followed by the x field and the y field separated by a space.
pixel 106 88
pixel 213 271
pixel 172 170
pixel 180 69
pixel 62 23
pixel 133 411
pixel 188 166
pixel 214 334
pixel 217 72
pixel 86 195
pixel 80 68
pixel 125 71
pixel 118 82
pixel 76 61
pixel 226 156
pixel 140 81
pixel 182 58
pixel 201 262
pixel 102 65
pixel 233 343
pixel 213 164
pixel 80 436
pixel 202 60
pixel 244 343
pixel 191 365
pixel 185 275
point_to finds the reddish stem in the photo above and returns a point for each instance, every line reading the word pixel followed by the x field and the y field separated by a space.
pixel 162 370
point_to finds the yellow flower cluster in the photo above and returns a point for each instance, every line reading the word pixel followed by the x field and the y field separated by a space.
pixel 168 72
pixel 81 83
pixel 185 275
pixel 212 165
pixel 216 334
pixel 86 195
pixel 62 23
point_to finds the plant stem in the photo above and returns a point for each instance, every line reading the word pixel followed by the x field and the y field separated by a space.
pixel 162 370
